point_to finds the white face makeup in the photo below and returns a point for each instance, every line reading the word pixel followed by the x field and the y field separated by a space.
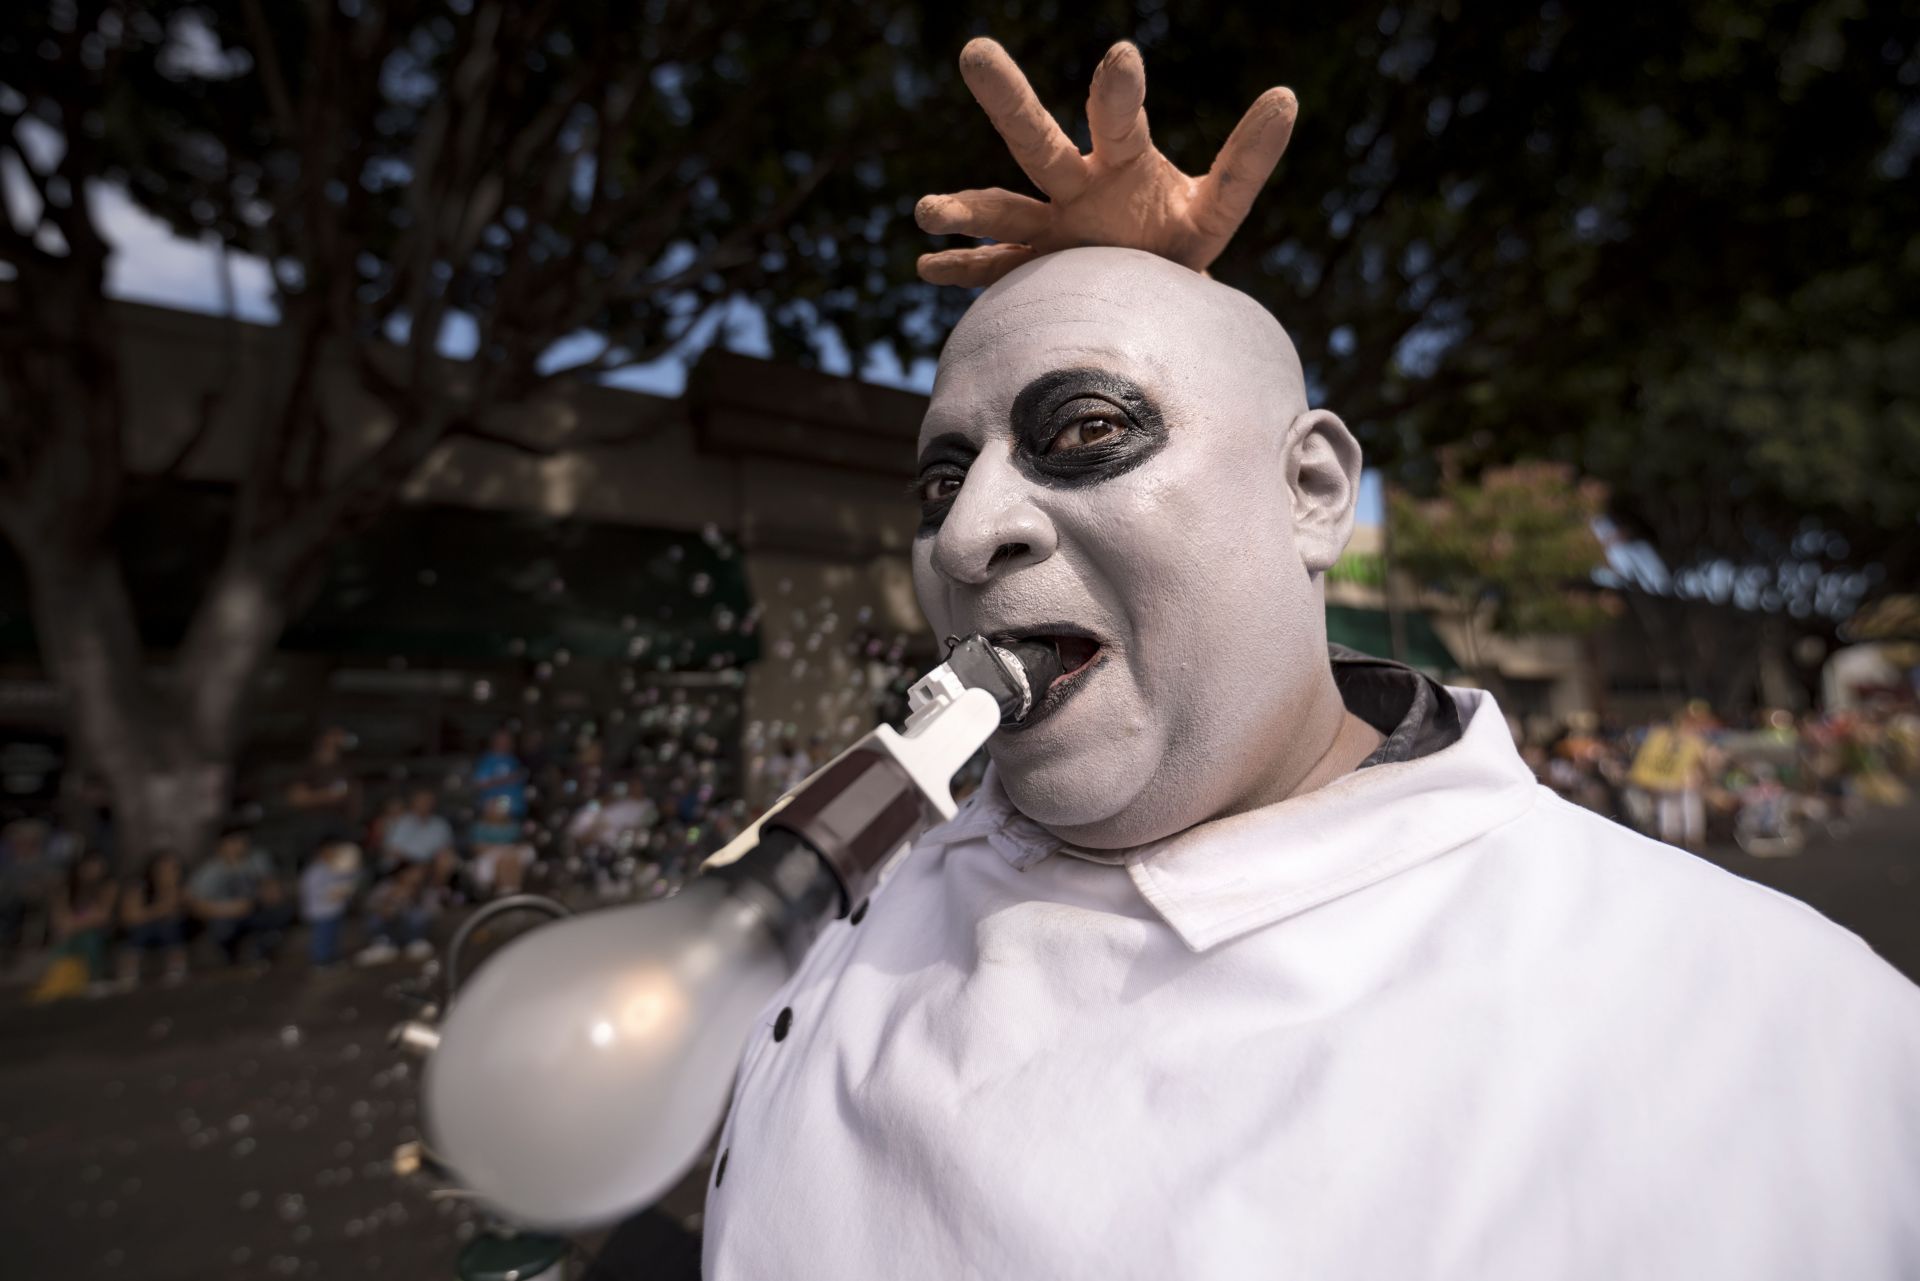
pixel 1118 455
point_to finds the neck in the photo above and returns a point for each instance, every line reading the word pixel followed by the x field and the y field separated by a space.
pixel 1344 741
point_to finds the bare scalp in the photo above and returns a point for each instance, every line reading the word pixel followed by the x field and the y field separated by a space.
pixel 1192 321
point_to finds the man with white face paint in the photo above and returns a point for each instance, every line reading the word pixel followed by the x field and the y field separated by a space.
pixel 1119 456
pixel 1248 962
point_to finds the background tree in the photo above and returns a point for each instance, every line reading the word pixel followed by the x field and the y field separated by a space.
pixel 1674 246
pixel 1513 552
pixel 443 192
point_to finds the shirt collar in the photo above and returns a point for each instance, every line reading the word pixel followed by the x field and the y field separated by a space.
pixel 1221 879
pixel 1411 711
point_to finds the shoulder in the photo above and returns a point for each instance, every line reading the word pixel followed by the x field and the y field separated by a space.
pixel 1681 916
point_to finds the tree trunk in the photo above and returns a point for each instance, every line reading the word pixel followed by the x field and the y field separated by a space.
pixel 164 739
pixel 1474 629
pixel 172 805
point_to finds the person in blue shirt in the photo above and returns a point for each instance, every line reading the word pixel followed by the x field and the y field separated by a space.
pixel 500 773
pixel 326 891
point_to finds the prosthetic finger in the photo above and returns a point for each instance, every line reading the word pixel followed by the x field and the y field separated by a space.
pixel 1048 155
pixel 1242 168
pixel 974 268
pixel 1116 111
pixel 992 214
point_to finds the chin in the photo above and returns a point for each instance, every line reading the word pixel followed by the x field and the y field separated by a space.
pixel 1078 777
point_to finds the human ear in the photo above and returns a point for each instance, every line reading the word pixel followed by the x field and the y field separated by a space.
pixel 1323 478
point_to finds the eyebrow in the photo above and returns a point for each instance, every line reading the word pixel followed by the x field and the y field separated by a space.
pixel 951 447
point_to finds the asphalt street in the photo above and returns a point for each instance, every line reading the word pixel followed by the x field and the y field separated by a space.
pixel 243 1125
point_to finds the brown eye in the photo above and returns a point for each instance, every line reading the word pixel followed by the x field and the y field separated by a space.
pixel 1090 430
pixel 938 489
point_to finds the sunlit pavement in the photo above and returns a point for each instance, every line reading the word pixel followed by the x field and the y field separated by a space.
pixel 243 1125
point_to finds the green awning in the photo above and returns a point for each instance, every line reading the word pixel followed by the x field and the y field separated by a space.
pixel 1371 632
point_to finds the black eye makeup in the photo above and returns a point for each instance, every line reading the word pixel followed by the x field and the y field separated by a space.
pixel 943 469
pixel 1084 426
pixel 1070 427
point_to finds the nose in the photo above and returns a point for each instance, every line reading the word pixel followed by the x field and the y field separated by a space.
pixel 994 525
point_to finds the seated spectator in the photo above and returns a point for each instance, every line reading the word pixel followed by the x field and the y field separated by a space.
pixel 499 773
pixel 616 819
pixel 399 911
pixel 83 914
pixel 420 835
pixel 153 910
pixel 326 890
pixel 391 808
pixel 236 893
pixel 325 798
pixel 501 853
pixel 31 868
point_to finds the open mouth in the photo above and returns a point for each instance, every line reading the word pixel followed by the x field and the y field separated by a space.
pixel 1080 654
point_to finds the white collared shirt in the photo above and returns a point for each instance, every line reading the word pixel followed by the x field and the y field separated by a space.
pixel 1427 1021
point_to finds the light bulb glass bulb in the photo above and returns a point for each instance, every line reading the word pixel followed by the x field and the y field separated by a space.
pixel 580 1072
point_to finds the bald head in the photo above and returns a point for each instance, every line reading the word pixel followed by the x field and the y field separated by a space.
pixel 1162 314
pixel 1118 457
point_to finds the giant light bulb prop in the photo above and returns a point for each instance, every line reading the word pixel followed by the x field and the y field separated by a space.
pixel 579 1074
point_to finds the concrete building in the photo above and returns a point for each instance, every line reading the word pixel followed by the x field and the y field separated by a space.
pixel 731 562
pixel 512 585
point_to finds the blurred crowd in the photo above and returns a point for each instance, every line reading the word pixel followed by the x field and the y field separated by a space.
pixel 1764 783
pixel 349 864
pixel 366 866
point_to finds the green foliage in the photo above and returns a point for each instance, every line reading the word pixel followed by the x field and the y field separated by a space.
pixel 1674 245
pixel 1516 548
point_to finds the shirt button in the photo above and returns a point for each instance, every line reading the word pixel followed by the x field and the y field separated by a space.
pixel 782 1024
pixel 720 1168
pixel 859 913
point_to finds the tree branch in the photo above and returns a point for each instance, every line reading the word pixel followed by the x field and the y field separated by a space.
pixel 470 430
